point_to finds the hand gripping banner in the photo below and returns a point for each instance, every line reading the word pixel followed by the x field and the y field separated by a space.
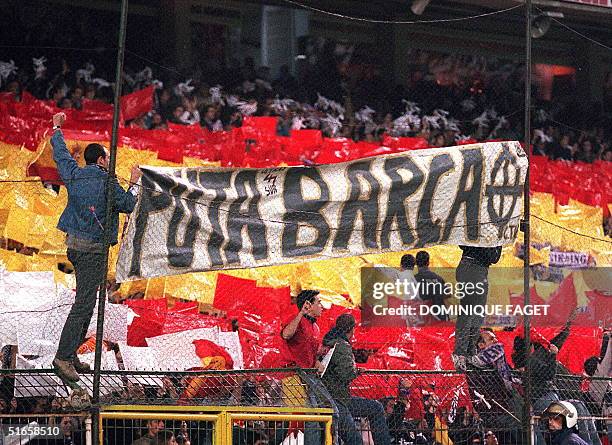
pixel 198 219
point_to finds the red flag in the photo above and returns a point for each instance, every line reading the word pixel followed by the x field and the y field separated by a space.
pixel 137 103
pixel 562 302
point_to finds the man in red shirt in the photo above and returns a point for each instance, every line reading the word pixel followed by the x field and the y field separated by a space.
pixel 299 348
pixel 300 333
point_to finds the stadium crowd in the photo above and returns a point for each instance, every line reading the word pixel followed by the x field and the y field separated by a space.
pixel 417 414
pixel 447 99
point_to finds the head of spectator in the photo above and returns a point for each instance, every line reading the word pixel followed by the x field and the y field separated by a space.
pixel 182 440
pixel 560 416
pixel 590 365
pixel 539 147
pixel 3 405
pixel 96 154
pixel 13 407
pixel 565 140
pixel 139 122
pixel 77 93
pixel 487 338
pixel 232 119
pixel 404 389
pixel 90 91
pixel 490 438
pixel 57 94
pixel 178 113
pixel 153 427
pixel 310 300
pixel 68 426
pixel 480 343
pixel 437 140
pixel 165 437
pixel 13 87
pixel 343 329
pixel 346 324
pixel 165 96
pixel 607 155
pixel 41 405
pixel 210 114
pixel 65 103
pixel 190 103
pixel 422 259
pixel 157 122
pixel 407 262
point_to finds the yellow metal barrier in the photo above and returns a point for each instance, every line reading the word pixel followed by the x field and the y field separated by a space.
pixel 223 418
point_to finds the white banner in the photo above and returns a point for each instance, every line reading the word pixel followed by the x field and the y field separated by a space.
pixel 197 219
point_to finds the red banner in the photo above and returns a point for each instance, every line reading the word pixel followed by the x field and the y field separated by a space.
pixel 137 103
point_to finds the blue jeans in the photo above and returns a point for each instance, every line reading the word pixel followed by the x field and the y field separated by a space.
pixel 317 393
pixel 313 431
pixel 363 408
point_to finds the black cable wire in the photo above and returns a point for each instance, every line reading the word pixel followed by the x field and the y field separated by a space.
pixel 571 231
pixel 569 28
pixel 399 22
pixel 146 59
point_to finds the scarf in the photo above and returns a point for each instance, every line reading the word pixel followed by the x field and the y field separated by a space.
pixel 495 356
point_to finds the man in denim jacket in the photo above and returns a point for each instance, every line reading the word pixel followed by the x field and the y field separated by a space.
pixel 83 221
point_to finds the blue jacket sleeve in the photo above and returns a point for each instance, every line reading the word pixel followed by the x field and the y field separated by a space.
pixel 66 165
pixel 124 201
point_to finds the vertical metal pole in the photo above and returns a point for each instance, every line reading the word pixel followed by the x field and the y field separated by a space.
pixel 526 216
pixel 109 212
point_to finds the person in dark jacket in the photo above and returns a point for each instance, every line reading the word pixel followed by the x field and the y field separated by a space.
pixel 561 418
pixel 492 384
pixel 542 367
pixel 472 274
pixel 431 288
pixel 84 222
pixel 542 364
pixel 339 374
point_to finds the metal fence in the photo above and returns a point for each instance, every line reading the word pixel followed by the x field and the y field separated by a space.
pixel 271 406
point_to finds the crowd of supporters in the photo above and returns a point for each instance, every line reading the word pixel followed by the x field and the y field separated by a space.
pixel 446 100
pixel 416 414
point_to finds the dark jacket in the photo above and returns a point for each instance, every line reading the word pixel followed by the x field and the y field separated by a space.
pixel 485 256
pixel 85 214
pixel 565 436
pixel 341 370
pixel 542 364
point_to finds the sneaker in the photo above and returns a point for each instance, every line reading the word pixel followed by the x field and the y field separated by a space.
pixel 459 361
pixel 66 369
pixel 79 366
